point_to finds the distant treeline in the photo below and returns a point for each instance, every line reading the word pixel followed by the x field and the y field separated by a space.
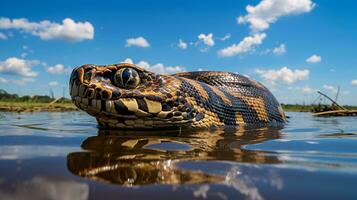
pixel 308 108
pixel 7 97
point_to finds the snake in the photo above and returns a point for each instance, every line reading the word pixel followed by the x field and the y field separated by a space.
pixel 127 96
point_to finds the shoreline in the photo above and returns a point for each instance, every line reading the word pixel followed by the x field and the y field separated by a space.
pixel 37 107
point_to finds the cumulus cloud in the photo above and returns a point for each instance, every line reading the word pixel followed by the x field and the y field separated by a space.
pixel 330 88
pixel 280 50
pixel 314 59
pixel 53 83
pixel 284 75
pixel 248 44
pixel 68 30
pixel 182 44
pixel 157 68
pixel 3 36
pixel 58 69
pixel 139 42
pixel 128 60
pixel 260 17
pixel 308 90
pixel 160 68
pixel 354 82
pixel 18 66
pixel 47 188
pixel 226 37
pixel 206 39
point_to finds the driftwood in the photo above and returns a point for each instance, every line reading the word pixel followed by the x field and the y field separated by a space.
pixel 334 102
pixel 334 110
pixel 54 101
pixel 336 113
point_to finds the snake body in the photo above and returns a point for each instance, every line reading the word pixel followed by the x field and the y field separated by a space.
pixel 129 97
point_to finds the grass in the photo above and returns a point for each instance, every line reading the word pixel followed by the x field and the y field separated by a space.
pixel 307 108
pixel 297 108
pixel 36 106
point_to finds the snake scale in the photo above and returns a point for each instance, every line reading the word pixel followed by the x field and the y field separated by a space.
pixel 126 96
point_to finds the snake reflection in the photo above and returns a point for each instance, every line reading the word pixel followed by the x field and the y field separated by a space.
pixel 133 158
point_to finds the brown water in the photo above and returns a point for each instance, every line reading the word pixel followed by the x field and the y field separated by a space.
pixel 65 156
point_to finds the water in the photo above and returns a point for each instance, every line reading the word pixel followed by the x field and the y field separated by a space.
pixel 65 156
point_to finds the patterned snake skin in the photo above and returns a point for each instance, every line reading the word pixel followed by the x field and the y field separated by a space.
pixel 129 97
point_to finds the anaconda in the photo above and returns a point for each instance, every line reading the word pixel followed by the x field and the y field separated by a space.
pixel 129 97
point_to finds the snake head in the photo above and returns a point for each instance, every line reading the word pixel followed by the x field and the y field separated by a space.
pixel 127 96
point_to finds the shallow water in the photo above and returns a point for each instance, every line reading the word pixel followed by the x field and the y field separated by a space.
pixel 65 156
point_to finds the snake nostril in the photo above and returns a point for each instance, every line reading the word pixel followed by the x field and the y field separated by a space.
pixel 115 95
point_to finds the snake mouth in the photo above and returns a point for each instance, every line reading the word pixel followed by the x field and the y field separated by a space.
pixel 116 108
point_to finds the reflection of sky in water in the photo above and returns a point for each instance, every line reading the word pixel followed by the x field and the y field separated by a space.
pixel 16 152
pixel 45 155
pixel 48 124
pixel 47 188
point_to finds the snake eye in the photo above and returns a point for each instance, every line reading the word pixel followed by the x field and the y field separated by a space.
pixel 126 78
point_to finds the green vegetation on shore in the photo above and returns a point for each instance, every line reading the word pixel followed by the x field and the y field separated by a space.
pixel 36 107
pixel 15 103
pixel 307 108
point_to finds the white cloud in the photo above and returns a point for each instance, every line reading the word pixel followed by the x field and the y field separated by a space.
pixel 139 41
pixel 284 75
pixel 246 45
pixel 308 90
pixel 128 60
pixel 3 36
pixel 182 44
pixel 143 64
pixel 58 69
pixel 46 187
pixel 280 50
pixel 157 68
pixel 161 69
pixel 269 11
pixel 314 59
pixel 354 82
pixel 330 88
pixel 206 39
pixel 18 66
pixel 53 83
pixel 68 30
pixel 226 37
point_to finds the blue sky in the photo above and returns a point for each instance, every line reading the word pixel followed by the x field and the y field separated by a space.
pixel 294 47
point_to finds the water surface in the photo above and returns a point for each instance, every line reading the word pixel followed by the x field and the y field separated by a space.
pixel 65 156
